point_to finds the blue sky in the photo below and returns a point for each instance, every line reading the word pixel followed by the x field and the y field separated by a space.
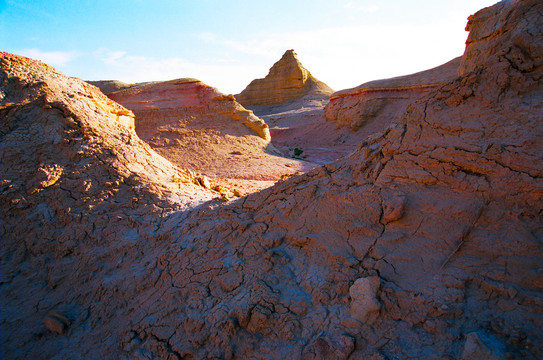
pixel 226 44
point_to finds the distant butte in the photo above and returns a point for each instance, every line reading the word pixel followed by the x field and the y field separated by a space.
pixel 287 80
pixel 109 86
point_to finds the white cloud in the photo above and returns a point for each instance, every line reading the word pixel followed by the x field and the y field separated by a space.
pixel 363 8
pixel 228 75
pixel 206 36
pixel 55 58
pixel 108 56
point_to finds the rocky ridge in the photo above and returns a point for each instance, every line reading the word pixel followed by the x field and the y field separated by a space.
pixel 108 86
pixel 79 194
pixel 377 104
pixel 287 80
pixel 424 243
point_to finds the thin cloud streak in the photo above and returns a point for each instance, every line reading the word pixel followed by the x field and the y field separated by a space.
pixel 55 58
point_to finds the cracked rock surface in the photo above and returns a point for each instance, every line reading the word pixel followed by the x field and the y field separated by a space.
pixel 442 212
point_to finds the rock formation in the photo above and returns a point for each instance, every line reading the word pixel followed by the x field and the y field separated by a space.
pixel 197 127
pixel 444 207
pixel 425 243
pixel 79 193
pixel 376 104
pixel 108 86
pixel 287 80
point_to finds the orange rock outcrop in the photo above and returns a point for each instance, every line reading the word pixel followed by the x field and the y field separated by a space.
pixel 287 80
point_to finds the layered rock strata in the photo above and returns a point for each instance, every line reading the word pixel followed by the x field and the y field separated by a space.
pixel 376 104
pixel 197 127
pixel 287 80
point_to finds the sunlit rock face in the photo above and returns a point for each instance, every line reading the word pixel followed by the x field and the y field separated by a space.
pixel 197 127
pixel 376 104
pixel 287 80
pixel 188 98
pixel 108 86
pixel 425 243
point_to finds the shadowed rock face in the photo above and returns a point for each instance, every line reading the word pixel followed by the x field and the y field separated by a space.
pixel 287 80
pixel 376 104
pixel 425 243
pixel 79 193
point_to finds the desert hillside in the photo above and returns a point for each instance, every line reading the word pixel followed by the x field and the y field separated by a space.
pixel 426 242
pixel 197 127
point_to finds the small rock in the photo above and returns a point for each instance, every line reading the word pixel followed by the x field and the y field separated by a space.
pixel 56 323
pixel 476 348
pixel 393 208
pixel 204 181
pixel 335 346
pixel 364 303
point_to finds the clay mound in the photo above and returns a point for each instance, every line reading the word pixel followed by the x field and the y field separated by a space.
pixel 287 80
pixel 108 86
pixel 373 106
pixel 197 127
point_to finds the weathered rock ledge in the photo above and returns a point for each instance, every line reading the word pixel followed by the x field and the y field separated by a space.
pixel 382 101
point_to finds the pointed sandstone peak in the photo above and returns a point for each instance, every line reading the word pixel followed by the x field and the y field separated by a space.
pixel 286 80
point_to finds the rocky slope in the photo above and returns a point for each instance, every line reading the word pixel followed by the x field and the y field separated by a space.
pixel 197 127
pixel 108 86
pixel 425 243
pixel 79 194
pixel 373 106
pixel 287 80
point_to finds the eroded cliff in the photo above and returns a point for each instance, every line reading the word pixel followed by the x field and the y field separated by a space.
pixel 197 127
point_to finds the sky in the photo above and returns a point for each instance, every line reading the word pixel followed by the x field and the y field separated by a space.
pixel 228 43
